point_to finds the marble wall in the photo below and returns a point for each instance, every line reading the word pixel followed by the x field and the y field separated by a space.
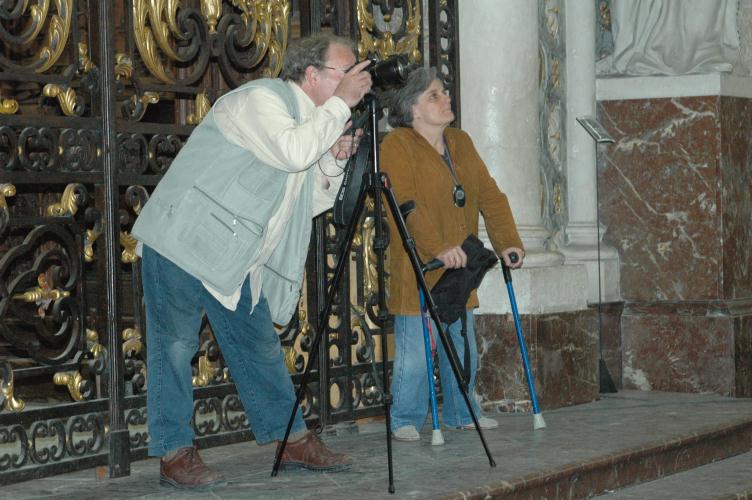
pixel 676 199
pixel 562 349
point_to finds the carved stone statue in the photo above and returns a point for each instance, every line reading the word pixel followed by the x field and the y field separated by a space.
pixel 673 37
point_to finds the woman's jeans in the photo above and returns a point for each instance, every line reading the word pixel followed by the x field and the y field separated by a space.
pixel 175 303
pixel 410 378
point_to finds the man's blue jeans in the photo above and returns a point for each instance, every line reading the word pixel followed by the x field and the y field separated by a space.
pixel 175 303
pixel 410 378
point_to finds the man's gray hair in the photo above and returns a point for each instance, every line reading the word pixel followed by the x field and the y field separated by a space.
pixel 401 101
pixel 310 51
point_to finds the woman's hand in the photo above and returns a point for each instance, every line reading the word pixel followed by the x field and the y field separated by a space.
pixel 520 257
pixel 453 257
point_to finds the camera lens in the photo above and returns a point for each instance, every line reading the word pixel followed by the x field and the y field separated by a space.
pixel 389 72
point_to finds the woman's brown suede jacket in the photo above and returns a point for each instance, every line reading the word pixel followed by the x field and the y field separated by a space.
pixel 419 173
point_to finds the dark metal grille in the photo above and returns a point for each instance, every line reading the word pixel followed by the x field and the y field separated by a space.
pixel 97 97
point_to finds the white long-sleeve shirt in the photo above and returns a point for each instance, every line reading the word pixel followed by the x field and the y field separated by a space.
pixel 258 121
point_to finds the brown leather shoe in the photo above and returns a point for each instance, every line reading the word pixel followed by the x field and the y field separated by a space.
pixel 186 470
pixel 310 453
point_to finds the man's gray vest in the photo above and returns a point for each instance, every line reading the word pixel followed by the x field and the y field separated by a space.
pixel 210 211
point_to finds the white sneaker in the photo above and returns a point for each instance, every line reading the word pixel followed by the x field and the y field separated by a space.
pixel 406 433
pixel 485 423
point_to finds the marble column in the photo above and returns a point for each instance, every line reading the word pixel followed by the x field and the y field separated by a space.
pixel 582 235
pixel 500 110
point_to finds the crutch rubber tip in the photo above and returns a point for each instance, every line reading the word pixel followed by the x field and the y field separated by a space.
pixel 437 438
pixel 538 422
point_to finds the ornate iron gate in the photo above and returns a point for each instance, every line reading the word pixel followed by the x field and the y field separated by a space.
pixel 96 99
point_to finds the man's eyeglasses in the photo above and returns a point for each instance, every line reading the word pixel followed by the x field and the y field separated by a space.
pixel 343 70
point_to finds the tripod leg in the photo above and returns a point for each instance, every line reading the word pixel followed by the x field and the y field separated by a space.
pixel 338 273
pixel 409 244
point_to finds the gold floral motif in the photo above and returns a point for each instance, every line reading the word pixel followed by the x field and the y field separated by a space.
pixel 73 380
pixel 279 13
pixel 290 356
pixel 6 191
pixel 84 60
pixel 211 10
pixel 68 203
pixel 123 66
pixel 92 343
pixel 131 341
pixel 8 106
pixel 149 13
pixel 128 242
pixel 387 46
pixel 206 371
pixel 9 400
pixel 202 108
pixel 57 34
pixel 66 96
pixel 91 237
pixel 41 293
pixel 140 103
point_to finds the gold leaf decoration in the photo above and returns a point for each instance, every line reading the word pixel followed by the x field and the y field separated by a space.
pixel 68 203
pixel 57 34
pixel 128 242
pixel 66 96
pixel 131 341
pixel 202 108
pixel 73 380
pixel 8 106
pixel 386 45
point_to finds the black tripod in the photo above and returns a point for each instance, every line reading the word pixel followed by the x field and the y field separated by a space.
pixel 377 184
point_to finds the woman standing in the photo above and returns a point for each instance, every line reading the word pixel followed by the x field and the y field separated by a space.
pixel 438 167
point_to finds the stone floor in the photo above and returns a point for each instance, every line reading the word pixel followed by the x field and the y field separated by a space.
pixel 619 435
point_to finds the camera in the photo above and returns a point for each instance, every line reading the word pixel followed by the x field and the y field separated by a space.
pixel 390 72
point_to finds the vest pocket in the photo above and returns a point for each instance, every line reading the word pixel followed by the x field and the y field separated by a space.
pixel 220 240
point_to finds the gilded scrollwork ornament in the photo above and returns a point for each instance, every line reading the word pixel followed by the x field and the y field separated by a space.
pixel 85 63
pixel 128 242
pixel 8 106
pixel 77 385
pixel 132 343
pixel 70 103
pixel 7 388
pixel 6 191
pixel 381 37
pixel 205 372
pixel 202 106
pixel 92 344
pixel 73 196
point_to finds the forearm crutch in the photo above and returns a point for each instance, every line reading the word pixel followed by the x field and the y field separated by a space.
pixel 437 438
pixel 538 422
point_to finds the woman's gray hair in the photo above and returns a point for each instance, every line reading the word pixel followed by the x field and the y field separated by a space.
pixel 310 51
pixel 401 101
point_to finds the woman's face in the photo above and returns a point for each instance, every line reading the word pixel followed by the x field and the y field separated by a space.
pixel 434 107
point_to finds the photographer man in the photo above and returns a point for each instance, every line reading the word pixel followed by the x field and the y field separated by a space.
pixel 226 233
pixel 439 168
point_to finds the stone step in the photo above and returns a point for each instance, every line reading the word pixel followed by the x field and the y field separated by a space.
pixel 724 479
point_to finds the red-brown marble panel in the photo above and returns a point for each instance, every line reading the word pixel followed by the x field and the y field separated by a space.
pixel 563 354
pixel 659 196
pixel 736 159
pixel 678 347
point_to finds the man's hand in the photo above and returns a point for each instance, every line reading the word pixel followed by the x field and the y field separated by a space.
pixel 520 257
pixel 453 257
pixel 354 85
pixel 347 144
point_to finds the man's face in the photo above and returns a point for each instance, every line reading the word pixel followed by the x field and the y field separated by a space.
pixel 339 59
